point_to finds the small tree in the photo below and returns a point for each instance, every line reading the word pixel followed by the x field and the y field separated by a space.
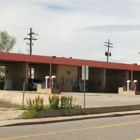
pixel 7 43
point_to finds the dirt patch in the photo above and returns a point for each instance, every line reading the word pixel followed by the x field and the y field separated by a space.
pixel 9 111
pixel 6 104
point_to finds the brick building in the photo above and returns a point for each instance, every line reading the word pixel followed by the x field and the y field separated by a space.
pixel 103 76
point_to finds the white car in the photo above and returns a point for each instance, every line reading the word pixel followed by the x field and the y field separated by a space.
pixel 33 82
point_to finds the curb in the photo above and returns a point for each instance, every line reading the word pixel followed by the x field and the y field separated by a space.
pixel 73 118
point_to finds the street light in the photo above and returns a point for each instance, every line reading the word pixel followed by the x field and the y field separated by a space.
pixel 51 57
pixel 132 74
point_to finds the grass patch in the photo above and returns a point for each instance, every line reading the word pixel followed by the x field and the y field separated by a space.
pixel 29 114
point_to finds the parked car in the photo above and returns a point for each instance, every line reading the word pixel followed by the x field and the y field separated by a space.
pixel 33 82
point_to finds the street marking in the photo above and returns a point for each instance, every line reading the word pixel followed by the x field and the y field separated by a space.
pixel 49 133
pixel 137 139
pixel 119 124
pixel 72 130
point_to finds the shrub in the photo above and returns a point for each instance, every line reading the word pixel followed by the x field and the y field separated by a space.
pixel 63 102
pixel 54 102
pixel 37 103
pixel 66 102
pixel 29 114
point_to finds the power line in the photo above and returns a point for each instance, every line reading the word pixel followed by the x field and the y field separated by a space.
pixel 79 45
pixel 66 41
pixel 58 35
pixel 108 45
pixel 31 39
pixel 85 47
pixel 88 47
pixel 120 53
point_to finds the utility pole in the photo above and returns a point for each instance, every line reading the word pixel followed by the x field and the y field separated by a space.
pixel 31 39
pixel 108 45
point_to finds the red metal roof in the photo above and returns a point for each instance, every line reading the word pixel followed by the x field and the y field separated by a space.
pixel 15 57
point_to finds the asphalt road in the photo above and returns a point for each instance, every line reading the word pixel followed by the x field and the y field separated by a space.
pixel 115 128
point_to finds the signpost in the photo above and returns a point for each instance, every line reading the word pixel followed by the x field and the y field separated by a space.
pixel 23 94
pixel 85 73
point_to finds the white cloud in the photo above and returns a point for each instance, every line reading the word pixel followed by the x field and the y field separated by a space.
pixel 56 23
pixel 112 28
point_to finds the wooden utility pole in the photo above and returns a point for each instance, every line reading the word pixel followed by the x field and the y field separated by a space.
pixel 108 45
pixel 31 39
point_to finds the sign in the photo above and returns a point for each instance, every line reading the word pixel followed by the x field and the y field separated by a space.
pixel 85 77
pixel 85 72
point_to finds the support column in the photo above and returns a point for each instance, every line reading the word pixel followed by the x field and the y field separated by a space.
pixel 104 80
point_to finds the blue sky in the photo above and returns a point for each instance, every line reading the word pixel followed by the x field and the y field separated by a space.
pixel 75 28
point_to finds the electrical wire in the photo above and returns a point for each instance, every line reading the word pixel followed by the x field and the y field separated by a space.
pixel 76 45
pixel 87 47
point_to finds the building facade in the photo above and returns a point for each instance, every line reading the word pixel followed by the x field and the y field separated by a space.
pixel 103 76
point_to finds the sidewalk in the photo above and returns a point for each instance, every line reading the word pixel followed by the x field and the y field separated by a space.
pixel 8 115
pixel 16 122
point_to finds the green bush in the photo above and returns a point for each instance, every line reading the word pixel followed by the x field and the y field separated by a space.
pixel 63 102
pixel 54 102
pixel 29 114
pixel 37 103
pixel 66 102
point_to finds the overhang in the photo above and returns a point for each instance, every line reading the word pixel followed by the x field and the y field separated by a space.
pixel 37 59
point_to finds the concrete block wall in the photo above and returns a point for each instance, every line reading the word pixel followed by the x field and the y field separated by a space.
pixel 17 97
pixel 68 73
pixel 17 72
pixel 122 90
pixel 41 89
pixel 100 80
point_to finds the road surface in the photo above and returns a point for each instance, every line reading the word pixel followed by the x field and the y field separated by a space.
pixel 113 128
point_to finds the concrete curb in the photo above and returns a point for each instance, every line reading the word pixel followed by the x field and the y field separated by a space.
pixel 89 111
pixel 69 118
